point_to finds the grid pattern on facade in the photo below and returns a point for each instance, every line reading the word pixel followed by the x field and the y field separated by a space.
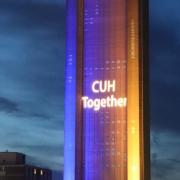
pixel 105 131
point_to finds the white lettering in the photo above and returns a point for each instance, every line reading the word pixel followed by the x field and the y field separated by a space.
pixel 104 86
pixel 94 85
pixel 85 101
pixel 111 86
pixel 109 101
pixel 90 103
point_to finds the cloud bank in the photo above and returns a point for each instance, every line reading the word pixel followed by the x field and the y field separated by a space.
pixel 32 43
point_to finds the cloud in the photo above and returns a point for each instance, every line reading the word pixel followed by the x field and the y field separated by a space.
pixel 8 106
pixel 32 58
pixel 165 155
pixel 164 65
pixel 43 150
pixel 164 89
pixel 165 169
pixel 42 145
pixel 32 53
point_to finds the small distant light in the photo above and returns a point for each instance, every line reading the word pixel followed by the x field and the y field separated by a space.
pixel 35 171
pixel 41 172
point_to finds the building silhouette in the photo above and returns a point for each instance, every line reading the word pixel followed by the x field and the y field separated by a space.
pixel 13 167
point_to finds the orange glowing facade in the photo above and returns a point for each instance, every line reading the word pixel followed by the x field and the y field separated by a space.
pixel 106 102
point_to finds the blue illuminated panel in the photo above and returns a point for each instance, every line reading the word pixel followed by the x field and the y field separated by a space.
pixel 105 58
pixel 70 92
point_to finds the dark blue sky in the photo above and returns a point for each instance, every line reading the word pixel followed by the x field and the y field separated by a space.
pixel 165 88
pixel 32 56
pixel 32 50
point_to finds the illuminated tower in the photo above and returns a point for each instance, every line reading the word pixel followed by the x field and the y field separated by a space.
pixel 106 100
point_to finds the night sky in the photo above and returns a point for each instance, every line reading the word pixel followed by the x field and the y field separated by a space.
pixel 165 88
pixel 32 56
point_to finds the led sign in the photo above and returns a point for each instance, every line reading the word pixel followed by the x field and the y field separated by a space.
pixel 106 86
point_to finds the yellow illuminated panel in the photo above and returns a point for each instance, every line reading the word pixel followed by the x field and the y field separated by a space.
pixel 133 92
